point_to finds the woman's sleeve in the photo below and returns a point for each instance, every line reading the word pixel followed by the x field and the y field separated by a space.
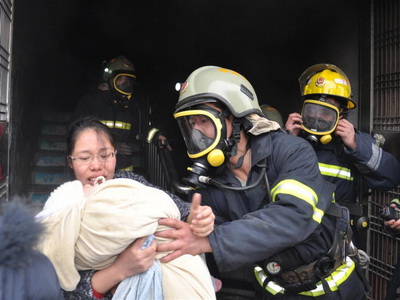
pixel 84 289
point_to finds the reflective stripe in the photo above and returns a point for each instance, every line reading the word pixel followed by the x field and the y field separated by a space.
pixel 151 134
pixel 272 286
pixel 130 168
pixel 375 159
pixel 335 171
pixel 301 191
pixel 117 124
pixel 340 275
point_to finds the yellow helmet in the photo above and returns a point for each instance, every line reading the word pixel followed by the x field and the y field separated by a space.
pixel 329 80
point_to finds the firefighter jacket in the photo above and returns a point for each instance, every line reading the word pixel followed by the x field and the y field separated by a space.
pixel 289 224
pixel 252 231
pixel 343 167
pixel 127 123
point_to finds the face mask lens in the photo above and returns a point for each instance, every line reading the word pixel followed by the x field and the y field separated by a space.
pixel 198 131
pixel 319 118
pixel 123 83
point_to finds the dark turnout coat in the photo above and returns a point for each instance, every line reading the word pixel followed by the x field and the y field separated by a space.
pixel 289 224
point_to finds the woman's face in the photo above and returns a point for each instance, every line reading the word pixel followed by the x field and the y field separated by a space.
pixel 92 156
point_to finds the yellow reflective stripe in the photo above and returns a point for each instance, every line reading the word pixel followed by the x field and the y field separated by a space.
pixel 340 275
pixel 130 168
pixel 301 191
pixel 335 171
pixel 151 134
pixel 337 277
pixel 318 214
pixel 117 124
pixel 272 286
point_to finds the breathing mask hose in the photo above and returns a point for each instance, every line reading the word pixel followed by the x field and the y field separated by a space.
pixel 210 181
pixel 312 139
pixel 169 168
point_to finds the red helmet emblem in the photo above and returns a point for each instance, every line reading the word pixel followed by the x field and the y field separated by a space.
pixel 320 81
pixel 183 88
pixel 127 64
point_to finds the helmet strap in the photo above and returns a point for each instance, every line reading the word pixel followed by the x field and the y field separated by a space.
pixel 241 159
pixel 231 143
pixel 344 113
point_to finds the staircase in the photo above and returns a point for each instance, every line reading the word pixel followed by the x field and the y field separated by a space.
pixel 49 168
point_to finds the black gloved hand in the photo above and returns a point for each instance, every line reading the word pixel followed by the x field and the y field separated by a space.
pixel 157 138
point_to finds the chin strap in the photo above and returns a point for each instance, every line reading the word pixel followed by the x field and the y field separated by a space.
pixel 231 143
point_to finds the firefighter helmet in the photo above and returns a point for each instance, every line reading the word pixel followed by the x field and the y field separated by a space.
pixel 272 114
pixel 326 80
pixel 216 84
pixel 120 75
pixel 119 64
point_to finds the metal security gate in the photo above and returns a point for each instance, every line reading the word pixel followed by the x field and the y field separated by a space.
pixel 383 249
pixel 5 50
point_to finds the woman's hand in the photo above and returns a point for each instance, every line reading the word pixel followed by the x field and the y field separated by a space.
pixel 132 261
pixel 201 218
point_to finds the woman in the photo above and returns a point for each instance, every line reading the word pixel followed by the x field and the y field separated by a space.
pixel 91 153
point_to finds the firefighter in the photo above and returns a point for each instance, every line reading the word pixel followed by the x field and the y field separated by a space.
pixel 119 103
pixel 344 153
pixel 273 209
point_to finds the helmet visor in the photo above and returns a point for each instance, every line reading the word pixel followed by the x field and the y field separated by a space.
pixel 123 83
pixel 319 117
pixel 201 131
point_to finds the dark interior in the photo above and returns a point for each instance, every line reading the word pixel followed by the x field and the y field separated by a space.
pixel 58 48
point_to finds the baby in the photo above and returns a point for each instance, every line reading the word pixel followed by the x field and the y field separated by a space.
pixel 87 227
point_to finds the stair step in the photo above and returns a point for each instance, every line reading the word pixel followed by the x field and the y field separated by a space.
pixel 42 189
pixel 50 160
pixel 52 178
pixel 52 116
pixel 38 199
pixel 49 167
pixel 54 129
pixel 52 144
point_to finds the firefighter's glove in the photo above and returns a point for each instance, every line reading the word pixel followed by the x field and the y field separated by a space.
pixel 363 259
pixel 157 138
pixel 124 149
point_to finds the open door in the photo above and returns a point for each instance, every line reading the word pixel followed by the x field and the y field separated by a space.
pixel 5 50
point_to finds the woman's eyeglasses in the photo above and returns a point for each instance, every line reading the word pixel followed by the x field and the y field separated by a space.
pixel 85 159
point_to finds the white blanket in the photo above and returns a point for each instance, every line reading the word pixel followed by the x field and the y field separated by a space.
pixel 89 233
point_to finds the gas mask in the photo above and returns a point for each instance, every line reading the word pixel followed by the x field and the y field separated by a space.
pixel 122 88
pixel 204 132
pixel 319 121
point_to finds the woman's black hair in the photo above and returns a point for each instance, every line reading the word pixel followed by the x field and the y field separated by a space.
pixel 82 124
